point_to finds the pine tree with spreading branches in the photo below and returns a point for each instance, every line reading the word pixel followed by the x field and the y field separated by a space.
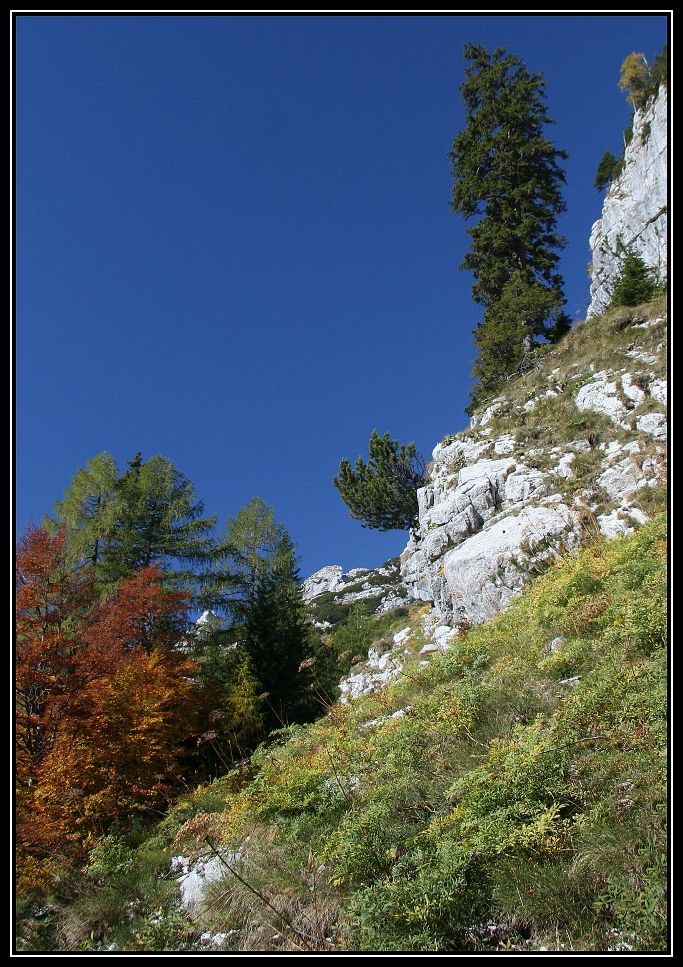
pixel 382 493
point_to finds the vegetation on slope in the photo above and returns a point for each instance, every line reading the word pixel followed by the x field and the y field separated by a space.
pixel 508 794
pixel 631 340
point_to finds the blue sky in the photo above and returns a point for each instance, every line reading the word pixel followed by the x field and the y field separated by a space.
pixel 234 244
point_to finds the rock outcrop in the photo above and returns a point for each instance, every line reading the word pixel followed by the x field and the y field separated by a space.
pixel 381 588
pixel 330 578
pixel 634 213
pixel 579 444
pixel 475 524
pixel 385 660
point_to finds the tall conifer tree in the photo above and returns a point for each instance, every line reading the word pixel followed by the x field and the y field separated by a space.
pixel 277 637
pixel 506 176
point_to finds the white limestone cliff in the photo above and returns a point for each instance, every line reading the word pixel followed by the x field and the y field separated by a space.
pixel 328 578
pixel 358 584
pixel 496 509
pixel 634 213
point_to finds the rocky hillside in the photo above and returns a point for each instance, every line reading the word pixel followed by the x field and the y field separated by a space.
pixel 579 443
pixel 507 795
pixel 575 450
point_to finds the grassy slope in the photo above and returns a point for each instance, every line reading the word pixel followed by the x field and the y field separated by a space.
pixel 518 803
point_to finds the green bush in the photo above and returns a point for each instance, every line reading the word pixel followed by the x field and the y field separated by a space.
pixel 607 169
pixel 635 283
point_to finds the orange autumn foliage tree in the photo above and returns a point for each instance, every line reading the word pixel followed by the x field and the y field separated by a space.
pixel 104 701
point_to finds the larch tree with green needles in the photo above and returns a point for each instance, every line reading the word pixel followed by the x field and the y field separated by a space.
pixel 89 510
pixel 149 514
pixel 507 176
pixel 246 548
pixel 161 520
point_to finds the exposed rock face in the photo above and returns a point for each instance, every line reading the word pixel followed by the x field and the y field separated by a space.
pixel 376 672
pixel 497 509
pixel 197 874
pixel 473 524
pixel 634 213
pixel 495 512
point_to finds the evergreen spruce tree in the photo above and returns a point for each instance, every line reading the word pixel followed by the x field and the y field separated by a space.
pixel 658 72
pixel 277 636
pixel 259 591
pixel 382 493
pixel 607 170
pixel 506 176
